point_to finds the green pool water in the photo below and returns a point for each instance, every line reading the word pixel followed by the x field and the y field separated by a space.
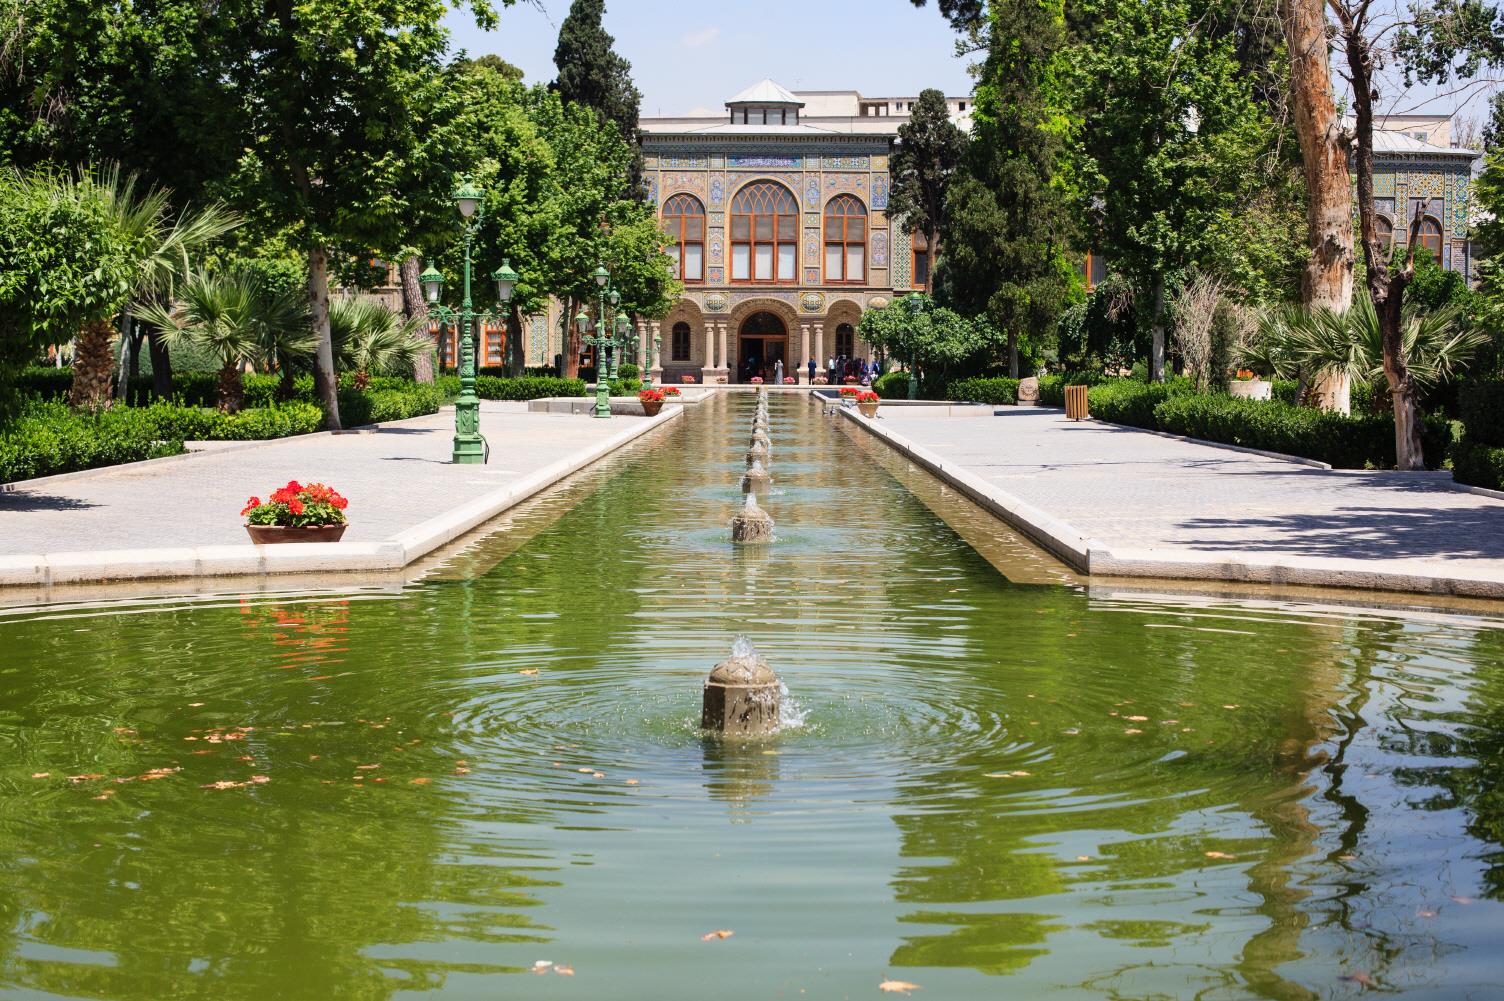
pixel 996 782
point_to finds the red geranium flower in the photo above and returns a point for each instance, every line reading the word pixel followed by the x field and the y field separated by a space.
pixel 254 502
pixel 295 506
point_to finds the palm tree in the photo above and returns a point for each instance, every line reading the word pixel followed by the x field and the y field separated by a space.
pixel 237 319
pixel 161 245
pixel 369 338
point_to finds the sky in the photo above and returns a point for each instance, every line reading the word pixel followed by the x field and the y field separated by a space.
pixel 694 54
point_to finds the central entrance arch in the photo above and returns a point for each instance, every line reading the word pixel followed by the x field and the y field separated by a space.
pixel 762 342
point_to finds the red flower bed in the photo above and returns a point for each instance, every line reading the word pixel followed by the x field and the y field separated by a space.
pixel 297 506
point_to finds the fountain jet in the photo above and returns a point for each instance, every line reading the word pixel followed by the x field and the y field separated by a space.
pixel 741 694
pixel 756 480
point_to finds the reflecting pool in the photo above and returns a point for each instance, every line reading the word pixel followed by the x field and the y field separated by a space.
pixel 997 783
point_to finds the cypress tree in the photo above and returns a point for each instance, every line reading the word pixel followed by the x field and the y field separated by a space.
pixel 592 74
pixel 930 147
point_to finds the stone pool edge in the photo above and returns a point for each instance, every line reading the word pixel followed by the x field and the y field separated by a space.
pixel 393 553
pixel 1095 559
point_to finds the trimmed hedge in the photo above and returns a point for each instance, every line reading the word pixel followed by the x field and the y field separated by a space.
pixel 1052 387
pixel 374 406
pixel 1481 407
pixel 1000 391
pixel 1344 442
pixel 526 387
pixel 892 385
pixel 1128 401
pixel 49 438
pixel 1477 463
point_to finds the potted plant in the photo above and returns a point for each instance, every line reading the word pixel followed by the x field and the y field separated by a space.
pixel 757 380
pixel 686 379
pixel 849 391
pixel 673 391
pixel 867 403
pixel 651 400
pixel 1247 385
pixel 820 380
pixel 789 380
pixel 850 380
pixel 296 513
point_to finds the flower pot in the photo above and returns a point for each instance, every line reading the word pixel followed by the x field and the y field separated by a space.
pixel 266 535
pixel 651 407
pixel 1250 389
pixel 867 409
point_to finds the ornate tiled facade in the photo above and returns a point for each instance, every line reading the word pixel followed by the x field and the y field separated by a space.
pixel 1408 168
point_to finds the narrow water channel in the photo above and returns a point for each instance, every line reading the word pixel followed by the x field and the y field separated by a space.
pixel 997 784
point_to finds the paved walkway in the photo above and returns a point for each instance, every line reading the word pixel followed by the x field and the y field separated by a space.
pixel 1118 501
pixel 181 516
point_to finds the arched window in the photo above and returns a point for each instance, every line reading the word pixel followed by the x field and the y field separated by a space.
pixel 1429 236
pixel 921 271
pixel 684 222
pixel 845 341
pixel 679 348
pixel 764 234
pixel 845 239
pixel 1385 230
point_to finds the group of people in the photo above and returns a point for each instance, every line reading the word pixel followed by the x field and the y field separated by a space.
pixel 840 368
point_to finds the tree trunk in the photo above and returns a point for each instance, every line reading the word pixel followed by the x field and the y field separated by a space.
pixel 516 345
pixel 1157 348
pixel 231 388
pixel 326 383
pixel 161 367
pixel 572 340
pixel 1386 290
pixel 93 367
pixel 123 362
pixel 1012 354
pixel 1327 281
pixel 415 306
pixel 286 386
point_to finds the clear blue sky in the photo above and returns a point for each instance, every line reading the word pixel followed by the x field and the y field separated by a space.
pixel 689 54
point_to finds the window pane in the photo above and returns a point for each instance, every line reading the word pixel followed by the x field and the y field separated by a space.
pixel 856 259
pixel 832 262
pixel 786 264
pixel 856 228
pixel 741 227
pixel 741 255
pixel 764 262
pixel 922 268
pixel 832 228
pixel 788 228
pixel 765 228
pixel 693 259
pixel 694 228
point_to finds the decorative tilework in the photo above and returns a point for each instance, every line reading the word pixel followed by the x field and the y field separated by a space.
pixel 880 162
pixel 716 251
pixel 853 183
pixel 880 191
pixel 717 189
pixel 538 335
pixel 653 189
pixel 691 182
pixel 735 182
pixel 764 161
pixel 1383 184
pixel 681 162
pixel 715 302
pixel 812 191
pixel 717 219
pixel 880 249
pixel 879 220
pixel 650 161
pixel 812 246
pixel 903 247
pixel 812 219
pixel 811 276
pixel 788 297
pixel 811 302
pixel 847 162
pixel 717 161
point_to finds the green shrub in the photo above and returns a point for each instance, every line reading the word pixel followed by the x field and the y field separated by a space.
pixel 44 382
pixel 624 387
pixel 48 438
pixel 527 387
pixel 1481 406
pixel 1127 401
pixel 376 406
pixel 1356 442
pixel 999 391
pixel 631 373
pixel 262 423
pixel 892 385
pixel 1052 387
pixel 1477 463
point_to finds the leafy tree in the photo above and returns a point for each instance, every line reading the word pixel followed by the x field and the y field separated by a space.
pixel 1164 160
pixel 1493 131
pixel 1006 214
pixel 936 343
pixel 591 73
pixel 369 338
pixel 929 151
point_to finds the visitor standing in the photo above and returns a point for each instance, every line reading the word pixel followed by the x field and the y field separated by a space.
pixel 778 372
pixel 812 367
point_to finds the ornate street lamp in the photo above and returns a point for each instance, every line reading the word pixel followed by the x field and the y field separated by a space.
pixel 602 341
pixel 469 444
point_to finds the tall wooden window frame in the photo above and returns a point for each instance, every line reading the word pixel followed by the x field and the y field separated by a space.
pixel 1429 236
pixel 764 235
pixel 679 342
pixel 845 241
pixel 919 271
pixel 1384 229
pixel 684 222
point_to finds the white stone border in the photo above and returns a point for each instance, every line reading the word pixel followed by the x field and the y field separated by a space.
pixel 398 551
pixel 1092 557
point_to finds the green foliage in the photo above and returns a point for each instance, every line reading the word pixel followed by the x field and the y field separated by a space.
pixel 527 387
pixel 376 406
pixel 1100 331
pixel 930 148
pixel 593 75
pixel 1481 407
pixel 1052 387
pixel 1128 401
pixel 1344 442
pixel 941 342
pixel 996 391
pixel 370 338
pixel 1477 463
pixel 892 385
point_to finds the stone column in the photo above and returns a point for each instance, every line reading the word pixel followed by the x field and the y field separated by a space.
pixel 707 373
pixel 724 368
pixel 803 359
pixel 820 357
pixel 643 362
pixel 656 357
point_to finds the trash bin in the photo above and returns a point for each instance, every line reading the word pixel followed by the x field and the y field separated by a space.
pixel 1075 403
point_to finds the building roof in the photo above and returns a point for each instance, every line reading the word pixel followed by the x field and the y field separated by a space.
pixel 766 92
pixel 1385 141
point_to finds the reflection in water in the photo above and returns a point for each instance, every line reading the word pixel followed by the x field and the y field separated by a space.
pixel 999 774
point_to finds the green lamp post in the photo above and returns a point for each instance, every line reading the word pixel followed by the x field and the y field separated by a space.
pixel 469 444
pixel 601 340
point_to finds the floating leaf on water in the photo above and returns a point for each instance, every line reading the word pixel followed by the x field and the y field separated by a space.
pixel 631 782
pixel 462 771
pixel 1219 855
pixel 585 771
pixel 1131 730
pixel 1071 732
pixel 564 971
pixel 719 933
pixel 597 775
pixel 41 775
pixel 529 672
pixel 124 731
pixel 542 966
pixel 1234 706
pixel 106 794
pixel 1137 719
pixel 194 705
pixel 366 768
pixel 260 780
pixel 897 987
pixel 1425 912
pixel 419 782
pixel 1464 901
pixel 91 777
pixel 223 784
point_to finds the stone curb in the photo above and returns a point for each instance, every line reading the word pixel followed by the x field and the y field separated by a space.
pixel 327 557
pixel 1094 558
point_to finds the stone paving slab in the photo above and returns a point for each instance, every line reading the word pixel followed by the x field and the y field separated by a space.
pixel 1118 501
pixel 181 516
